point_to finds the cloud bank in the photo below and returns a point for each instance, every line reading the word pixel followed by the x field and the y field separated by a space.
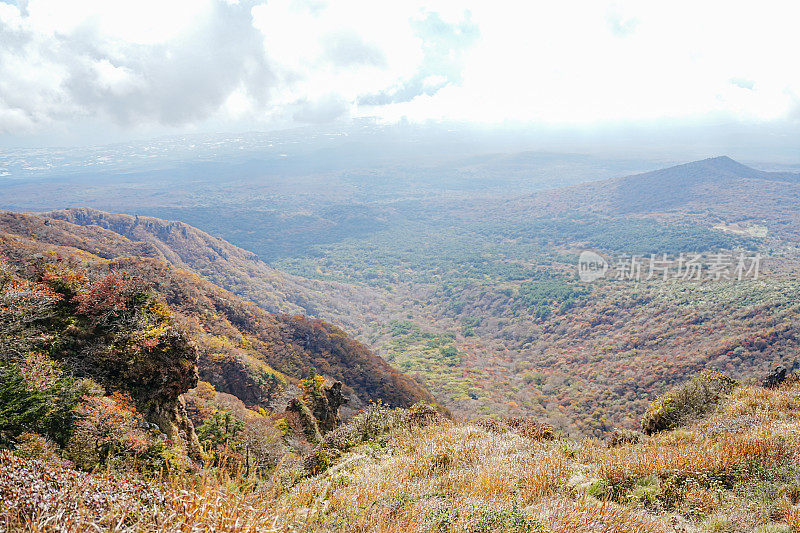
pixel 200 64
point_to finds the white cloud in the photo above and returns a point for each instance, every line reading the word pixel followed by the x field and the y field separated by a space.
pixel 139 22
pixel 564 64
pixel 188 62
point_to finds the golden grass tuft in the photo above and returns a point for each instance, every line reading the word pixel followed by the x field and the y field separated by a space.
pixel 793 519
pixel 460 469
pixel 566 516
pixel 782 403
pixel 654 458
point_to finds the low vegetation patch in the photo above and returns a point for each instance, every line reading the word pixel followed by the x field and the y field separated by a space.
pixel 686 402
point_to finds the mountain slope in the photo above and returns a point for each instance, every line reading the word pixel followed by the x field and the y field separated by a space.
pixel 244 350
pixel 226 265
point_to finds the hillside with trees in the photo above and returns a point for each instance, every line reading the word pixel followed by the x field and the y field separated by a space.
pixel 243 350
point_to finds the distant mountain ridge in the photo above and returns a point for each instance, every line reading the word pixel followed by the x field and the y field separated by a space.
pixel 675 186
pixel 711 192
pixel 719 168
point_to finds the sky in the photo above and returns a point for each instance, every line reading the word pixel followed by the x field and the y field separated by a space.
pixel 82 71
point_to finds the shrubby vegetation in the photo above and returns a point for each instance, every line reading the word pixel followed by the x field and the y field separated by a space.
pixel 96 362
pixel 729 470
pixel 686 402
pixel 85 360
pixel 31 405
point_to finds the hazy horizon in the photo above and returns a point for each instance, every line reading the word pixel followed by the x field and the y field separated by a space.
pixel 674 82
